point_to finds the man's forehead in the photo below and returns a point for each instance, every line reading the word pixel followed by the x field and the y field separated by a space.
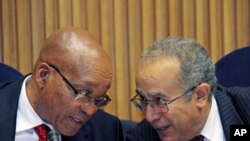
pixel 159 66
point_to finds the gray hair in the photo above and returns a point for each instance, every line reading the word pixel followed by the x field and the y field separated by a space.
pixel 196 65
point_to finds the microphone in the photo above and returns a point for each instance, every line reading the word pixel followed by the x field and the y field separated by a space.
pixel 53 135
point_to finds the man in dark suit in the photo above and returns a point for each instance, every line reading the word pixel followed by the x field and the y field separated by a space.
pixel 64 92
pixel 178 94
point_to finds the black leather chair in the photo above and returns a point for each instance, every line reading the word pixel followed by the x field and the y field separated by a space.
pixel 234 68
pixel 7 73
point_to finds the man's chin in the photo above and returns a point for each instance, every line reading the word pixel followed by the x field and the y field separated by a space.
pixel 166 135
pixel 169 137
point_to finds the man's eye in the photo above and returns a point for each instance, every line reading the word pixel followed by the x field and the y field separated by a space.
pixel 159 100
pixel 85 92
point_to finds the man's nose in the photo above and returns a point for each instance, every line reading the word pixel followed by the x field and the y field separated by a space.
pixel 151 114
pixel 89 108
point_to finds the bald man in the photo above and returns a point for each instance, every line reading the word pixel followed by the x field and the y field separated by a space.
pixel 67 86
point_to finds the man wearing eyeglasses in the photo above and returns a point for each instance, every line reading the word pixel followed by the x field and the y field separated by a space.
pixel 177 91
pixel 67 86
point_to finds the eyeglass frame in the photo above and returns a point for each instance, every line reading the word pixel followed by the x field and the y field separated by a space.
pixel 163 102
pixel 77 93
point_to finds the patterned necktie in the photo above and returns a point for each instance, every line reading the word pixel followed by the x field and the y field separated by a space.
pixel 42 132
pixel 198 138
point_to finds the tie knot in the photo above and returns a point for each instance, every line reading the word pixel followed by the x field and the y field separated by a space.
pixel 198 138
pixel 42 132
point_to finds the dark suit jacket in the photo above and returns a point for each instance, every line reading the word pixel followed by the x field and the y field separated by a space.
pixel 101 127
pixel 233 105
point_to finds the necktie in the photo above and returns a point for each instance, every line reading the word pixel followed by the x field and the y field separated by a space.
pixel 42 132
pixel 198 138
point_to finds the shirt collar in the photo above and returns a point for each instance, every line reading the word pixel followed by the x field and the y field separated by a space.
pixel 213 131
pixel 27 118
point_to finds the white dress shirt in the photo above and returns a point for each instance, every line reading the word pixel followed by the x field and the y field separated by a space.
pixel 213 131
pixel 27 118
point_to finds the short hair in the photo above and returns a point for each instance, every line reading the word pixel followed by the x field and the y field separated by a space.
pixel 196 65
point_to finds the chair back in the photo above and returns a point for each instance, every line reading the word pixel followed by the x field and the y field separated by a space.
pixel 234 68
pixel 7 73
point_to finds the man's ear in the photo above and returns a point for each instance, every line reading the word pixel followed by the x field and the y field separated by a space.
pixel 42 73
pixel 202 94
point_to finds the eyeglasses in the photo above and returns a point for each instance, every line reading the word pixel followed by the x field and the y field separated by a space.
pixel 159 104
pixel 83 96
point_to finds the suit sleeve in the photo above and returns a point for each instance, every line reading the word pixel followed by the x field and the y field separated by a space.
pixel 101 127
pixel 142 132
pixel 105 127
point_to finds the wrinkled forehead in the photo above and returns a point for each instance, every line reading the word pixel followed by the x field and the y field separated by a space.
pixel 158 66
pixel 89 75
pixel 94 65
pixel 158 75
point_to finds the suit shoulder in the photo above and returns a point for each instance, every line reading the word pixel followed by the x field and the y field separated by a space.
pixel 240 97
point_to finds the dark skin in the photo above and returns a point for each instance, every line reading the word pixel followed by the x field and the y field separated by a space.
pixel 84 63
